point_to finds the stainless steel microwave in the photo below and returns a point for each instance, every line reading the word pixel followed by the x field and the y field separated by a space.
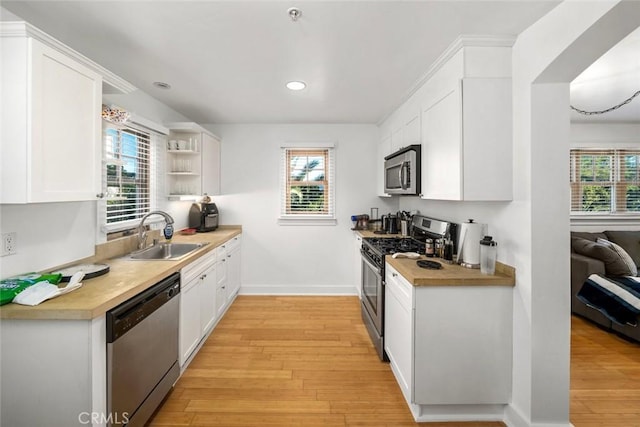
pixel 402 171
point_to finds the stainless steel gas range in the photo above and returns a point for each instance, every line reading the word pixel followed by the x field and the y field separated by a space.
pixel 373 251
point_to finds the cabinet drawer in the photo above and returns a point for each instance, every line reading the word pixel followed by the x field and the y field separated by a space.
pixel 231 244
pixel 197 267
pixel 399 286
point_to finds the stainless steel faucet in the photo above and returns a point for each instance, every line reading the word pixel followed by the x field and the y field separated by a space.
pixel 142 232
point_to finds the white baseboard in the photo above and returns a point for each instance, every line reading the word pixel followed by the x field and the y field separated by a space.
pixel 515 418
pixel 325 290
pixel 460 413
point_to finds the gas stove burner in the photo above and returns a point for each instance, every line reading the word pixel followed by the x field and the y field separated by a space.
pixel 389 246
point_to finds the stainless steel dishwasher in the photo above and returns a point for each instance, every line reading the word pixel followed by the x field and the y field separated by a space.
pixel 142 352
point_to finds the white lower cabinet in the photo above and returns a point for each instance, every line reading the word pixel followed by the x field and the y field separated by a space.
pixel 450 347
pixel 221 281
pixel 208 298
pixel 195 307
pixel 358 262
pixel 190 330
pixel 399 330
pixel 233 266
pixel 208 287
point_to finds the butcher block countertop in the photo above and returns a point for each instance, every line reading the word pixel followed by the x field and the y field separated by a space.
pixel 369 233
pixel 451 274
pixel 125 279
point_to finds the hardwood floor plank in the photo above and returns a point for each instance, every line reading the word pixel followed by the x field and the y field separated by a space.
pixel 308 361
pixel 248 393
pixel 277 420
pixel 240 383
pixel 260 406
pixel 605 390
pixel 237 373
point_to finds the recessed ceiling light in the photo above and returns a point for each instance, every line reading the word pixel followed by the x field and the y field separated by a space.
pixel 162 85
pixel 296 85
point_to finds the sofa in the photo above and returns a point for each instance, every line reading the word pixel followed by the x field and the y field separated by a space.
pixel 590 256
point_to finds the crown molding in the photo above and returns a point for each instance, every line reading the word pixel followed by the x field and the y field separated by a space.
pixel 460 42
pixel 24 29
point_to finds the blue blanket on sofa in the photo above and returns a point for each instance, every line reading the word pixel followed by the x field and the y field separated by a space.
pixel 617 299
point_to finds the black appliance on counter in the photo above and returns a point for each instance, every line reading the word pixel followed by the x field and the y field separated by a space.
pixel 373 251
pixel 203 217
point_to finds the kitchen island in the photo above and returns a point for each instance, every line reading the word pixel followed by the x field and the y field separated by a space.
pixel 54 355
pixel 449 339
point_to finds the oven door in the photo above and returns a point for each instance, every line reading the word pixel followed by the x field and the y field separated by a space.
pixel 373 292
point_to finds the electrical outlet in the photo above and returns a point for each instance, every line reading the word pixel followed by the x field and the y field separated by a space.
pixel 9 243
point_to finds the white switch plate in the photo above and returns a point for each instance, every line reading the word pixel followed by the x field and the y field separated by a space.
pixel 9 243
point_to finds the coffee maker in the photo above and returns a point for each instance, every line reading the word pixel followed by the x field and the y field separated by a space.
pixel 203 217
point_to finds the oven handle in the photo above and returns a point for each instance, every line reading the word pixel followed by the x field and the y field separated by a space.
pixel 365 258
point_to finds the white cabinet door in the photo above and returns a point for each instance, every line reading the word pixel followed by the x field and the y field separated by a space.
pixel 210 165
pixel 411 133
pixel 398 327
pixel 56 153
pixel 357 264
pixel 442 148
pixel 466 142
pixel 221 287
pixel 190 326
pixel 208 296
pixel 487 140
pixel 233 272
pixel 396 138
pixel 463 345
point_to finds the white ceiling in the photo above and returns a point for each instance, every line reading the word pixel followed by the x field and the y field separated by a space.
pixel 228 61
pixel 613 78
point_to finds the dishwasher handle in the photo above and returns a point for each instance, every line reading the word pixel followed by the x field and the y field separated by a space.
pixel 133 311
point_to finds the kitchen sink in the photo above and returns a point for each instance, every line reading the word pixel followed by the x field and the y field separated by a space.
pixel 166 251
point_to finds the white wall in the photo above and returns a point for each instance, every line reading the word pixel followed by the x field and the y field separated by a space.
pixel 546 57
pixel 52 234
pixel 295 259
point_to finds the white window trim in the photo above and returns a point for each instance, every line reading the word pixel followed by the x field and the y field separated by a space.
pixel 309 220
pixel 602 218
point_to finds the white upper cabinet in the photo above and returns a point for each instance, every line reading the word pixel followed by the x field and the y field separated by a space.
pixel 193 162
pixel 51 125
pixel 466 151
pixel 462 117
pixel 396 138
pixel 210 164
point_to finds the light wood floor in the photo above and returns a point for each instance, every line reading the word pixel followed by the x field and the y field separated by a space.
pixel 605 378
pixel 301 361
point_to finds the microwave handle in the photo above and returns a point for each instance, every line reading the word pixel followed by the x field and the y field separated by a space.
pixel 403 176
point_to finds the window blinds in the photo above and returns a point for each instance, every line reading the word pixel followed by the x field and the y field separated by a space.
pixel 605 181
pixel 307 182
pixel 127 173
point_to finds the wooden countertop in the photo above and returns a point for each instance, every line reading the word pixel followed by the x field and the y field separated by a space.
pixel 451 274
pixel 125 279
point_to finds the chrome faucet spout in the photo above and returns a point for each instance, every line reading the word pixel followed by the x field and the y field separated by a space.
pixel 142 232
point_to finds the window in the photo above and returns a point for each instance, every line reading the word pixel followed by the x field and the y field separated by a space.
pixel 605 181
pixel 127 176
pixel 307 184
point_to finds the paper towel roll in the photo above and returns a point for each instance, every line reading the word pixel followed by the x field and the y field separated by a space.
pixel 469 245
